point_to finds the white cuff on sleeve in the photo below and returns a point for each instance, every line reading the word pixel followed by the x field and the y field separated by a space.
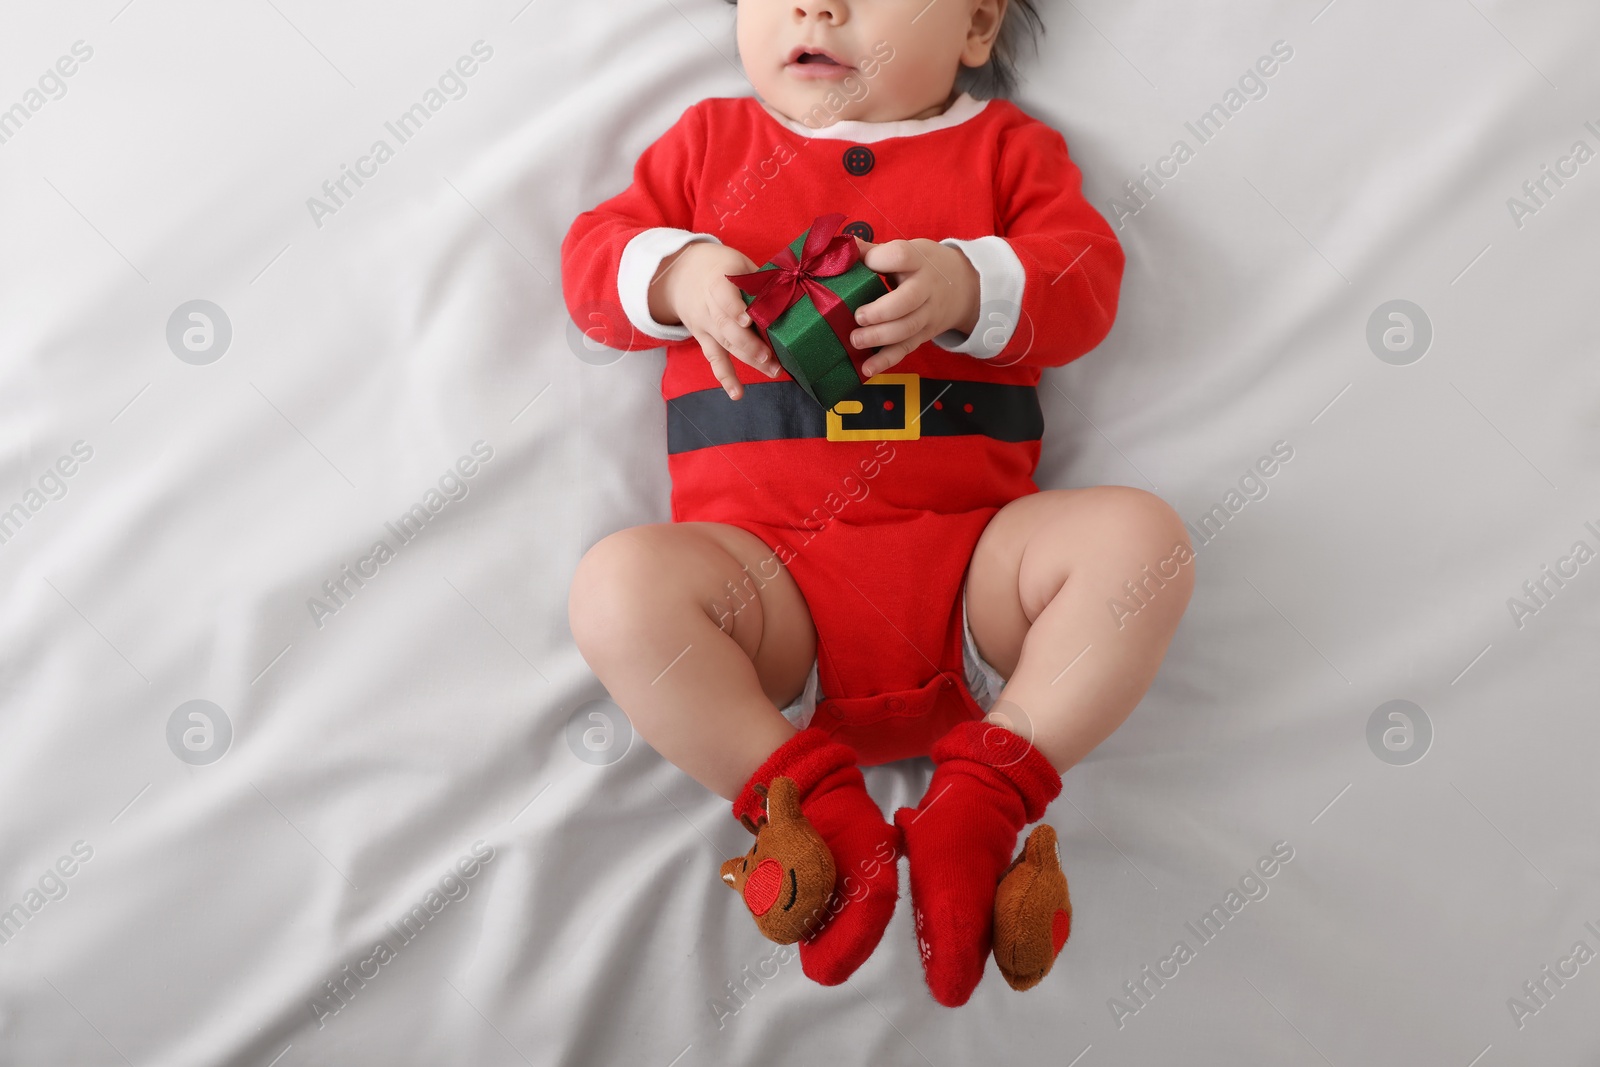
pixel 641 258
pixel 1000 282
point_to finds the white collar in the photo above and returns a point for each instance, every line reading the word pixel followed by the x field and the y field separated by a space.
pixel 860 131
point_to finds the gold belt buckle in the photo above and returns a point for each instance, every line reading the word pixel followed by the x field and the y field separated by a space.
pixel 910 428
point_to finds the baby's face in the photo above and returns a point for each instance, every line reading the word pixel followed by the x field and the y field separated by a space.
pixel 892 59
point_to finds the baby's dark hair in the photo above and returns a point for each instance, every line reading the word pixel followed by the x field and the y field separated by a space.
pixel 999 77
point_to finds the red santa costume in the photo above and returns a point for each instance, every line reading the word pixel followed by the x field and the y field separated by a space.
pixel 874 512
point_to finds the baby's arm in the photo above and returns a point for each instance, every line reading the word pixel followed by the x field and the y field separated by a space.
pixel 634 275
pixel 1042 293
pixel 627 236
pixel 1056 259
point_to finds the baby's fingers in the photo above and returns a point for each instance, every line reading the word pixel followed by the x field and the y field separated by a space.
pixel 887 357
pixel 894 257
pixel 721 365
pixel 730 303
pixel 893 331
pixel 896 304
pixel 731 321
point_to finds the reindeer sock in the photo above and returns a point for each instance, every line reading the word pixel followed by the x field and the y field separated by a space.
pixel 866 849
pixel 988 783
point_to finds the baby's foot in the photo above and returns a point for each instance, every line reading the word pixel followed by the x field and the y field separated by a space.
pixel 987 784
pixel 1032 912
pixel 788 874
pixel 841 932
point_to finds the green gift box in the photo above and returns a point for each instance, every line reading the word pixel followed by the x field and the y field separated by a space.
pixel 805 299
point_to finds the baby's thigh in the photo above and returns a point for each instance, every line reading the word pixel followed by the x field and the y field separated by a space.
pixel 659 575
pixel 759 603
pixel 1099 535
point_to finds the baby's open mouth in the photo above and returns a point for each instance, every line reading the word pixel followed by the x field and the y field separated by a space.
pixel 803 55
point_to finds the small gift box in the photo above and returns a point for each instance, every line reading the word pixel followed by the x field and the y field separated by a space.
pixel 804 302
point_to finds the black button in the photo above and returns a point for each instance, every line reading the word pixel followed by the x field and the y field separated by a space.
pixel 858 160
pixel 861 230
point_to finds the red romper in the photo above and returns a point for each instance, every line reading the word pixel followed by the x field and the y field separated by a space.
pixel 875 512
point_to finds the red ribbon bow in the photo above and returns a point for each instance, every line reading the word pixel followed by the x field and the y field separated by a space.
pixel 825 254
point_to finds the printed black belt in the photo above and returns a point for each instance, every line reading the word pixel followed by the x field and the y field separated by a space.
pixel 892 407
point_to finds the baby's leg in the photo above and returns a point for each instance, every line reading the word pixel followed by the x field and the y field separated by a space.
pixel 1073 595
pixel 1037 594
pixel 700 635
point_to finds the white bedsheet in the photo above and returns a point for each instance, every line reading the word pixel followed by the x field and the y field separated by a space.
pixel 370 746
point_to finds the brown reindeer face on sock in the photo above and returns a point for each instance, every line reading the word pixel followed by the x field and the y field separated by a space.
pixel 787 876
pixel 1032 911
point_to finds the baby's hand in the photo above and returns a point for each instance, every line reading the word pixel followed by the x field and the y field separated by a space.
pixel 692 288
pixel 936 289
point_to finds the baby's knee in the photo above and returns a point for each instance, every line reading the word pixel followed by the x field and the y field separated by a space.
pixel 1164 541
pixel 1145 519
pixel 1151 538
pixel 609 586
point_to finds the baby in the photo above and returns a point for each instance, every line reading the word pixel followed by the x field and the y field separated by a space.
pixel 883 580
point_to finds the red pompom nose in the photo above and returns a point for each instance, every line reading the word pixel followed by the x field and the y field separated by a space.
pixel 1060 927
pixel 761 888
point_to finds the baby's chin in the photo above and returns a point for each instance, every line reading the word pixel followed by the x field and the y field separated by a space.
pixel 826 103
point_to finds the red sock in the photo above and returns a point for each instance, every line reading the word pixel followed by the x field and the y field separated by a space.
pixel 988 783
pixel 866 849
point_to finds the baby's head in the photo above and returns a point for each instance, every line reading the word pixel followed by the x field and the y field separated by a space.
pixel 894 59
